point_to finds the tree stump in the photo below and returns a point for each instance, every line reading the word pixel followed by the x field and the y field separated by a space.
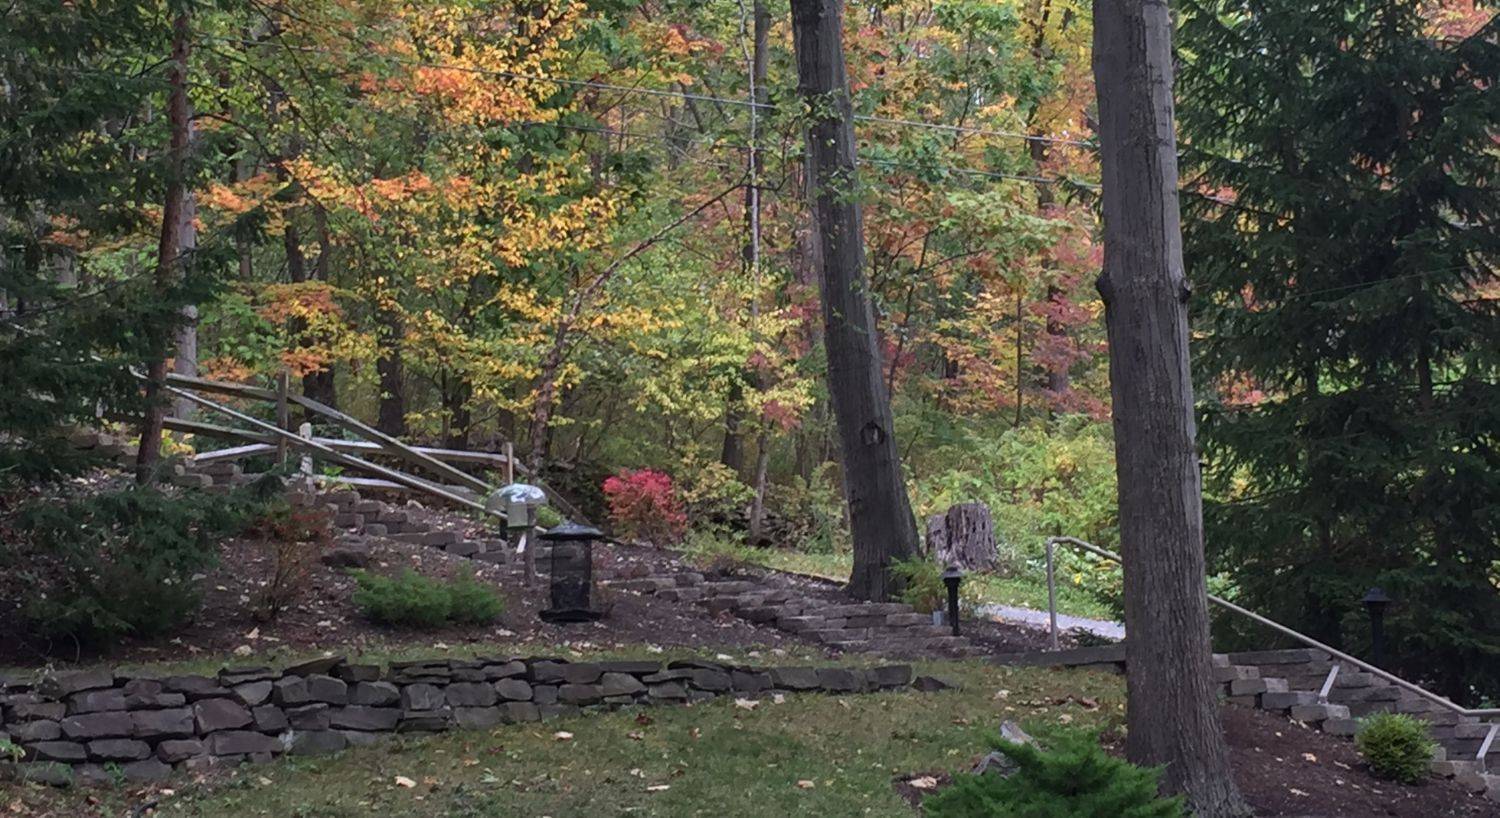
pixel 964 536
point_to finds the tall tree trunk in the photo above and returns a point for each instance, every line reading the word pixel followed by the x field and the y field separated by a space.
pixel 319 385
pixel 1172 716
pixel 175 216
pixel 880 513
pixel 392 415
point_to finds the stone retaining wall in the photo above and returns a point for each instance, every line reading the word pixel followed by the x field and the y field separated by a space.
pixel 97 725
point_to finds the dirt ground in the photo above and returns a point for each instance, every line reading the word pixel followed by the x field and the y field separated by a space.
pixel 1285 769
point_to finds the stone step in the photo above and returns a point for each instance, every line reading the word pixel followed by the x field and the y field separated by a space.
pixel 1486 784
pixel 1229 673
pixel 1449 769
pixel 1283 702
pixel 1318 713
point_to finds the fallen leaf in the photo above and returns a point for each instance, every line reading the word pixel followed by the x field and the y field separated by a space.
pixel 1295 791
pixel 925 782
pixel 1310 757
pixel 658 787
pixel 635 735
pixel 805 784
pixel 746 704
pixel 563 735
pixel 401 781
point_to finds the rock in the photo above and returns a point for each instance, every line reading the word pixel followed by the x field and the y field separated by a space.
pixel 711 680
pixel 422 697
pixel 355 738
pixel 470 694
pixel 360 717
pixel 891 676
pixel 252 694
pixel 327 689
pixel 547 672
pixel 317 742
pixel 544 694
pixel 290 691
pixel 839 680
pixel 308 717
pixel 118 749
pixel 633 668
pixel 929 684
pixel 31 731
pixel 98 725
pixel 175 750
pixel 346 557
pixel 747 682
pixel 28 711
pixel 213 715
pixel 667 690
pixel 269 719
pixel 794 678
pixel 513 690
pixel 154 725
pixel 58 687
pixel 65 751
pixel 620 684
pixel 516 712
pixel 579 694
pixel 96 701
pixel 667 676
pixel 507 670
pixel 315 667
pixel 476 718
pixel 194 687
pixel 351 674
pixel 374 694
pixel 425 721
pixel 149 769
pixel 581 673
pixel 999 763
pixel 233 676
pixel 242 742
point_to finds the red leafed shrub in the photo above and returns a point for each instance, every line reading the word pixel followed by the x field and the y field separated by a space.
pixel 644 505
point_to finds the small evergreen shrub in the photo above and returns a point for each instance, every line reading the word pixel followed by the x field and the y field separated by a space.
pixel 1396 746
pixel 643 504
pixel 1077 779
pixel 121 563
pixel 413 600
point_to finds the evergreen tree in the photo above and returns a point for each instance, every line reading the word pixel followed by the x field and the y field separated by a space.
pixel 1341 165
pixel 78 170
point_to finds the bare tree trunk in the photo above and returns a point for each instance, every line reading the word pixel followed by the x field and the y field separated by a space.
pixel 1172 716
pixel 392 415
pixel 319 385
pixel 170 251
pixel 879 510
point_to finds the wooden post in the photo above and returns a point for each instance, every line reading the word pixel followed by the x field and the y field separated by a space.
pixel 306 465
pixel 530 553
pixel 510 463
pixel 283 414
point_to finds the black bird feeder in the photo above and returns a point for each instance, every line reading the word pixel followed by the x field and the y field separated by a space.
pixel 951 578
pixel 1376 601
pixel 572 570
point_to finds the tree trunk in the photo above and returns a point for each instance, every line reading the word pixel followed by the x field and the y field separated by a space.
pixel 392 416
pixel 176 227
pixel 880 514
pixel 1172 715
pixel 963 536
pixel 319 385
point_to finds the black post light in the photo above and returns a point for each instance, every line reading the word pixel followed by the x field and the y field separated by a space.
pixel 1375 602
pixel 572 569
pixel 951 578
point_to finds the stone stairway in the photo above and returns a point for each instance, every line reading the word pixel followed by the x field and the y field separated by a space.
pixel 1288 682
pixel 886 627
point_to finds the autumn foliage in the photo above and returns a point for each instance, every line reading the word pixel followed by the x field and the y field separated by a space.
pixel 643 504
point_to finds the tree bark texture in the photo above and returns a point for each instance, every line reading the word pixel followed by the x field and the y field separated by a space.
pixel 1172 714
pixel 176 227
pixel 880 513
pixel 964 536
pixel 391 418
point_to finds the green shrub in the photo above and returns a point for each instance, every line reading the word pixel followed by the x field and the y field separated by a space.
pixel 122 563
pixel 1077 779
pixel 1396 746
pixel 922 586
pixel 417 601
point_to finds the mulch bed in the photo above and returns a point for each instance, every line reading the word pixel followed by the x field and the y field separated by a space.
pixel 325 617
pixel 1286 769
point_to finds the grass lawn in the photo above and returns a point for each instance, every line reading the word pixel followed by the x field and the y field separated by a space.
pixel 1020 591
pixel 810 755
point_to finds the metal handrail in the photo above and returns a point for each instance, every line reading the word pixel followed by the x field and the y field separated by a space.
pixel 1441 701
